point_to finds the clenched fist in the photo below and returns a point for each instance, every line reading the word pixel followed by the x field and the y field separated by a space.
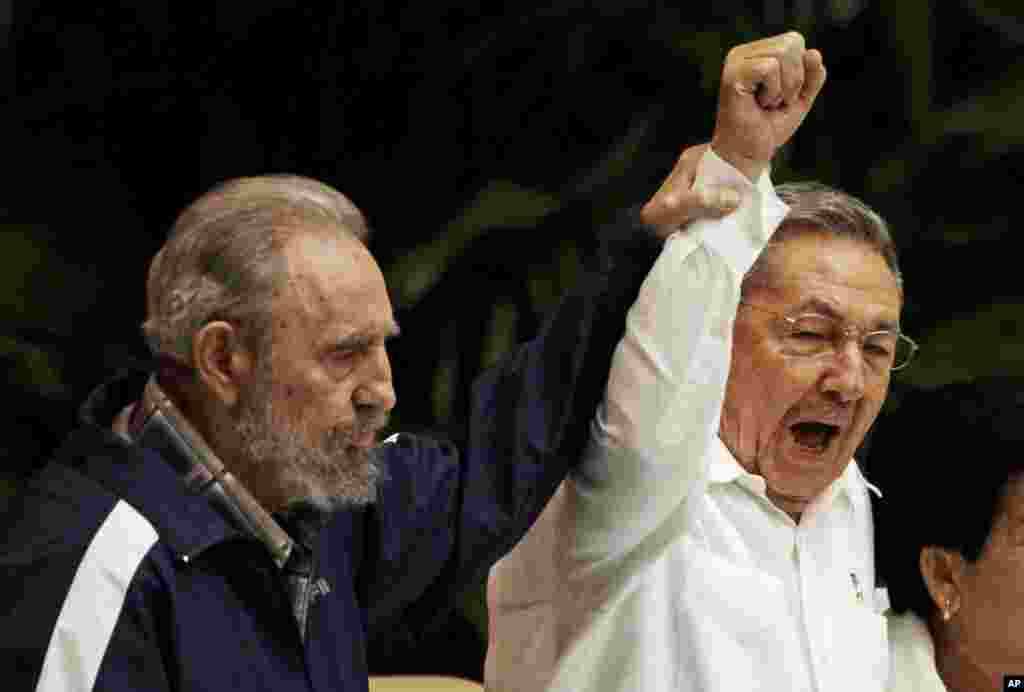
pixel 767 88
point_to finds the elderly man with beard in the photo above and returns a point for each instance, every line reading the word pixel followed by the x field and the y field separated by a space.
pixel 718 535
pixel 229 520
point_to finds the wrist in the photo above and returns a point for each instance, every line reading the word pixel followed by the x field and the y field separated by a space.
pixel 750 167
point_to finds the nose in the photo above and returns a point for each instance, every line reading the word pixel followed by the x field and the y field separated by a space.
pixel 376 389
pixel 844 378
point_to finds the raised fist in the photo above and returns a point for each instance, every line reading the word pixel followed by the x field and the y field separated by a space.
pixel 767 89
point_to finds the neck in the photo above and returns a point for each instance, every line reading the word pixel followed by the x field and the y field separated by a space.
pixel 793 508
pixel 958 670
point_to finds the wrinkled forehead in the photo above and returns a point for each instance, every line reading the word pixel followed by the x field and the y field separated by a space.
pixel 329 280
pixel 842 277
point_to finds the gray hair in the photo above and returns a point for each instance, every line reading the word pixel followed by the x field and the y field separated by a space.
pixel 817 207
pixel 222 257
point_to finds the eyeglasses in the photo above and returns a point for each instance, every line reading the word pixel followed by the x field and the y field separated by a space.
pixel 814 336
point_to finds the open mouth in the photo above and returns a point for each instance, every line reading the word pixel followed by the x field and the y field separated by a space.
pixel 813 435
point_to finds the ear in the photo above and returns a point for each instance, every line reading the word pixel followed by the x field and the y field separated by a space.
pixel 942 570
pixel 222 361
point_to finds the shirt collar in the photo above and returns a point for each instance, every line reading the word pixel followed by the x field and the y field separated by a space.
pixel 851 485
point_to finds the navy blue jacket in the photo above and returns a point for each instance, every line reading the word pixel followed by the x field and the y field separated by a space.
pixel 137 584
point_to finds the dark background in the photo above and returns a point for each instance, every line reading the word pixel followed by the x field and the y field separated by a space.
pixel 483 146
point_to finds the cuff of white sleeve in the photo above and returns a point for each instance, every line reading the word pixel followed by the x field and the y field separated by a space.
pixel 740 236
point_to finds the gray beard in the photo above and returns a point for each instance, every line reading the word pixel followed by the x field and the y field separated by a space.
pixel 328 476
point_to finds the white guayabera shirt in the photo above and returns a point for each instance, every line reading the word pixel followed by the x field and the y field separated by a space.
pixel 661 565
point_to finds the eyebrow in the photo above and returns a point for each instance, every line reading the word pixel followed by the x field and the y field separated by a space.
pixel 365 338
pixel 817 305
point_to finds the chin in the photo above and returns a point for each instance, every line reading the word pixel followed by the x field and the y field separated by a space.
pixel 350 483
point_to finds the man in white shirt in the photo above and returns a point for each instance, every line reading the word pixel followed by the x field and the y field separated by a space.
pixel 717 536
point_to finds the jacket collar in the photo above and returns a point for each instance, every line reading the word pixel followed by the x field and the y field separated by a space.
pixel 161 474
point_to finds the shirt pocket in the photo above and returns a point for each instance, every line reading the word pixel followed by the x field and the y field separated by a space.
pixel 860 650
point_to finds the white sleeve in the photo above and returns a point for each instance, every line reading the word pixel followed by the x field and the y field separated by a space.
pixel 660 414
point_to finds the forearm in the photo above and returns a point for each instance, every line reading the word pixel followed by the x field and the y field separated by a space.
pixel 531 416
pixel 667 381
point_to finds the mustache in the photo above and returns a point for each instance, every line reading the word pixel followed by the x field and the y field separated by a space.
pixel 374 423
pixel 368 423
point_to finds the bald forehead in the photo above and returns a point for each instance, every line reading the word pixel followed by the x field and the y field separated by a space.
pixel 331 282
pixel 324 245
pixel 317 259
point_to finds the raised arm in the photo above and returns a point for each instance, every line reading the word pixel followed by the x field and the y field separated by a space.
pixel 650 438
pixel 461 509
